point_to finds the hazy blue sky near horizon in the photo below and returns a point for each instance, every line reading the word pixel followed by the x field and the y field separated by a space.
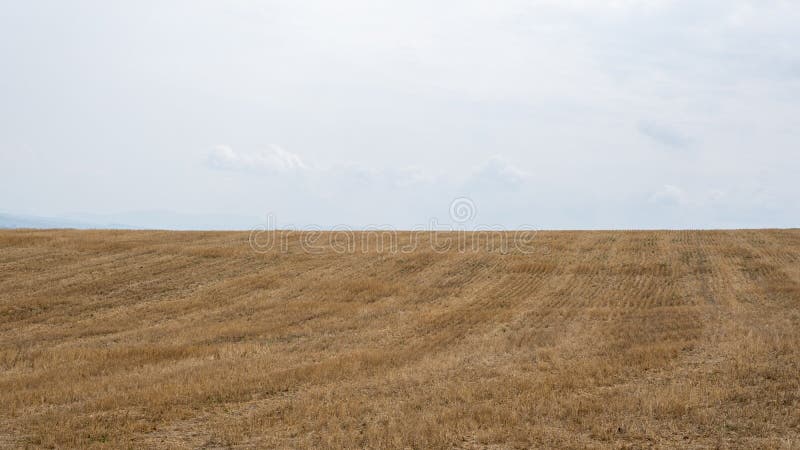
pixel 547 113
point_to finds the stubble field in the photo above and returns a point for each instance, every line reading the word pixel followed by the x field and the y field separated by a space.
pixel 154 339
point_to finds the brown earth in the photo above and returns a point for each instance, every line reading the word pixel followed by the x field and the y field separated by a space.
pixel 131 339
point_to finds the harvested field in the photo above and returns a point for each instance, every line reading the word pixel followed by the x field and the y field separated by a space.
pixel 132 339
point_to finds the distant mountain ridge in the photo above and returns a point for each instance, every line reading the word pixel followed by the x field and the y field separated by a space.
pixel 163 220
pixel 25 221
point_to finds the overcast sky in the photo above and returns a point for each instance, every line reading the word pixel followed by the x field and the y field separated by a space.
pixel 549 113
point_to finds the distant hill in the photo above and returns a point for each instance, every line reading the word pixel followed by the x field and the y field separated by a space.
pixel 161 220
pixel 21 221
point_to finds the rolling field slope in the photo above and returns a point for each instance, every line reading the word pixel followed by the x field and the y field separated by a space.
pixel 132 339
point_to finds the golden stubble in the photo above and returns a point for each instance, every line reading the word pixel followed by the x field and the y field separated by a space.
pixel 131 339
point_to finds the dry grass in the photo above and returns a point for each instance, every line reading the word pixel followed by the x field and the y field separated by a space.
pixel 608 339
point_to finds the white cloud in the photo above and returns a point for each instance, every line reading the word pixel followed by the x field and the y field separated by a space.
pixel 699 198
pixel 411 176
pixel 670 195
pixel 664 134
pixel 499 172
pixel 272 160
pixel 277 160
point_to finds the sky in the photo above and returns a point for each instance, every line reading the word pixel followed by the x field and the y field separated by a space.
pixel 545 113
